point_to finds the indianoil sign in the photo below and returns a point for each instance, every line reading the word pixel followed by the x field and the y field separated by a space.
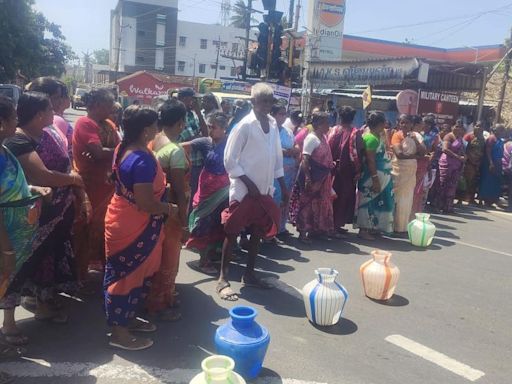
pixel 326 21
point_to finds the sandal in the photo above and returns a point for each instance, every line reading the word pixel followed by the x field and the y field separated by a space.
pixel 142 326
pixel 56 318
pixel 253 281
pixel 225 292
pixel 15 338
pixel 305 240
pixel 10 352
pixel 207 268
pixel 135 344
pixel 169 315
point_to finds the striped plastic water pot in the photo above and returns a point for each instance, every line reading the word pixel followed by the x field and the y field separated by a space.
pixel 379 276
pixel 421 230
pixel 324 297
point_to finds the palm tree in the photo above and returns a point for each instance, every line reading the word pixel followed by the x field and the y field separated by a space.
pixel 240 15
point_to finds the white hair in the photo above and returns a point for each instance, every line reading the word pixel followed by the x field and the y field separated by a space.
pixel 261 89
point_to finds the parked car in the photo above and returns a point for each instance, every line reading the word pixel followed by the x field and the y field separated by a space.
pixel 78 98
pixel 12 91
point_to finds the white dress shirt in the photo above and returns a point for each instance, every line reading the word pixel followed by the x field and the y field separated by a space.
pixel 255 154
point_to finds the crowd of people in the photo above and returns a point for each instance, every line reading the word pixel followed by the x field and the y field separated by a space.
pixel 122 192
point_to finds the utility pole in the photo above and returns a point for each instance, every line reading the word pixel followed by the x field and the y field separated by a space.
pixel 217 61
pixel 247 34
pixel 297 17
pixel 504 83
pixel 194 73
pixel 290 13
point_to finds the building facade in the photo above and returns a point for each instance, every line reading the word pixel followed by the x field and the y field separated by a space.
pixel 206 50
pixel 143 36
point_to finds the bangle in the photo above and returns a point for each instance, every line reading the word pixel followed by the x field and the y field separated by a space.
pixel 9 252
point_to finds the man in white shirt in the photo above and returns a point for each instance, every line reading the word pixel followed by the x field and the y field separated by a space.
pixel 253 159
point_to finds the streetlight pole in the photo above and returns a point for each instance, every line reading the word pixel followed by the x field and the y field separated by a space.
pixel 217 61
pixel 247 34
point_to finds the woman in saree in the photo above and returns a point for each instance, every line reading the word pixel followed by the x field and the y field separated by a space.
pixel 491 168
pixel 161 302
pixel 20 207
pixel 94 141
pixel 425 176
pixel 311 203
pixel 212 197
pixel 346 145
pixel 376 203
pixel 407 147
pixel 45 162
pixel 290 165
pixel 133 229
pixel 507 167
pixel 451 164
pixel 475 151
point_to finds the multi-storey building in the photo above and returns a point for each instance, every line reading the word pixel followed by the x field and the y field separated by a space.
pixel 146 35
pixel 143 36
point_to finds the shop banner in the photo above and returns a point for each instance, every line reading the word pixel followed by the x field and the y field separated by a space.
pixel 374 72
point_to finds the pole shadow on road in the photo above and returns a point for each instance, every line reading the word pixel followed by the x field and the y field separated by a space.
pixel 281 300
pixel 278 252
pixel 344 327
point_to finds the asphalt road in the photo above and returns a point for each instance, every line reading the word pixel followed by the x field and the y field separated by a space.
pixel 449 321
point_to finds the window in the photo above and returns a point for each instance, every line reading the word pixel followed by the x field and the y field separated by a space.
pixel 159 59
pixel 234 47
pixel 139 58
pixel 224 44
pixel 222 67
pixel 181 66
pixel 233 71
pixel 202 68
pixel 213 66
pixel 183 41
pixel 216 43
pixel 160 34
pixel 160 18
pixel 204 44
pixel 141 33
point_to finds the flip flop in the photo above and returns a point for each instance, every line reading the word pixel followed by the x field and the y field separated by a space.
pixel 56 318
pixel 16 338
pixel 147 344
pixel 256 283
pixel 143 327
pixel 229 295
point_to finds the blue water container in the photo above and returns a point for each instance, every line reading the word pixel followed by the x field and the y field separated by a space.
pixel 244 340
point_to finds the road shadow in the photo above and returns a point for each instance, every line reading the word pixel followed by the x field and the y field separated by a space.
pixel 281 300
pixel 444 226
pixel 471 216
pixel 277 252
pixel 395 244
pixel 344 327
pixel 446 234
pixel 447 219
pixel 394 301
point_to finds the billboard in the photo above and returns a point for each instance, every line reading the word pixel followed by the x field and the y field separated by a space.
pixel 326 21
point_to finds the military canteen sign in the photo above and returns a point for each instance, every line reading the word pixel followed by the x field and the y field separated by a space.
pixel 374 72
pixel 445 106
pixel 326 20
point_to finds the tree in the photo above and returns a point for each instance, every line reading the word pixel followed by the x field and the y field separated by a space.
pixel 101 56
pixel 240 15
pixel 31 45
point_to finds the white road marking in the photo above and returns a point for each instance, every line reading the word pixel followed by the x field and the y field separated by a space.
pixel 119 373
pixel 435 357
pixel 474 246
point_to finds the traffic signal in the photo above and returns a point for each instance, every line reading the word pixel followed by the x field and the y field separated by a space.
pixel 269 5
pixel 277 65
pixel 260 61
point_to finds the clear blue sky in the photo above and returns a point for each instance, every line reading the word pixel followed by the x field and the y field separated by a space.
pixel 442 23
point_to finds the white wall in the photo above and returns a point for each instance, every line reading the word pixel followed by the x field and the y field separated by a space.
pixel 194 32
pixel 128 41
